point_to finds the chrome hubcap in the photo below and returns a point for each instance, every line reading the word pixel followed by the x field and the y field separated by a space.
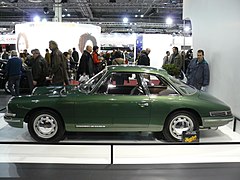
pixel 179 124
pixel 45 126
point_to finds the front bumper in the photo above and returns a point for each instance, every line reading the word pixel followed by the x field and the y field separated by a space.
pixel 13 121
pixel 215 122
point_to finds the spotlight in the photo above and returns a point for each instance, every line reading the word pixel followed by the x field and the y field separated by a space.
pixel 125 19
pixel 45 10
pixel 13 1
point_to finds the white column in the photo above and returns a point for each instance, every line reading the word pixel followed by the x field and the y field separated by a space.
pixel 57 8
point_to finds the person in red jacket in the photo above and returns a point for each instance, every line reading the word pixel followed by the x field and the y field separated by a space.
pixel 97 59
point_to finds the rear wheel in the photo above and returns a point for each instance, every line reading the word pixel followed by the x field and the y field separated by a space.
pixel 177 123
pixel 46 126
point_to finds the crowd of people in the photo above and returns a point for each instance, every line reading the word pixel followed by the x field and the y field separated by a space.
pixel 57 68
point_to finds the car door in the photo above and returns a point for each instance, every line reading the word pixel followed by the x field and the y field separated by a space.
pixel 129 104
pixel 113 104
pixel 92 109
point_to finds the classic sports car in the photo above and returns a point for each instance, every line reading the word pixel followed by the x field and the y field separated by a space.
pixel 118 99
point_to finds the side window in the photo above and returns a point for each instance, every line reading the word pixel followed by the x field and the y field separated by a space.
pixel 120 83
pixel 157 86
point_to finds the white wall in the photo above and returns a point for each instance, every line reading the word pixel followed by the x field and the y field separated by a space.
pixel 159 44
pixel 216 29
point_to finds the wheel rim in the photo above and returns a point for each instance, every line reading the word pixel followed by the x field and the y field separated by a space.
pixel 179 124
pixel 45 126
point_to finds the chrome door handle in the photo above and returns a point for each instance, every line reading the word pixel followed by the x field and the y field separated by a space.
pixel 143 104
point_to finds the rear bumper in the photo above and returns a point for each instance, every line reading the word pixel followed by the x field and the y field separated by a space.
pixel 216 122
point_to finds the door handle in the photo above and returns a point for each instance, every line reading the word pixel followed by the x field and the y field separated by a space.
pixel 144 104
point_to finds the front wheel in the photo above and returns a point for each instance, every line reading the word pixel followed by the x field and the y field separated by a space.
pixel 46 126
pixel 177 123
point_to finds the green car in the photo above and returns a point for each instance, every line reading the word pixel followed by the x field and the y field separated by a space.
pixel 118 99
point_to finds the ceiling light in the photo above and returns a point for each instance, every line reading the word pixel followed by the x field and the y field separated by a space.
pixel 35 1
pixel 36 19
pixel 169 20
pixel 68 15
pixel 44 20
pixel 136 15
pixel 142 16
pixel 125 20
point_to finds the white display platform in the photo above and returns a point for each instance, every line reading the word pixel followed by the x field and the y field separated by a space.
pixel 157 152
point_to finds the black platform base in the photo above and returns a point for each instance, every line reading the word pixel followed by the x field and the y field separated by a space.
pixel 209 171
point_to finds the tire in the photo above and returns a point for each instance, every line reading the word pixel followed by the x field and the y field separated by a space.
pixel 46 126
pixel 178 122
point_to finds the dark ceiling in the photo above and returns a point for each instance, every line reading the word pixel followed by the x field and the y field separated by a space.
pixel 106 13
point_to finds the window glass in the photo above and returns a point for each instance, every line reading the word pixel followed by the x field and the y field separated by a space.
pixel 91 83
pixel 186 89
pixel 157 86
pixel 121 83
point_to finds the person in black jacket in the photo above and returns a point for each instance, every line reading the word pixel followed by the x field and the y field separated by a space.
pixel 86 63
pixel 75 55
pixel 39 69
pixel 143 58
pixel 198 72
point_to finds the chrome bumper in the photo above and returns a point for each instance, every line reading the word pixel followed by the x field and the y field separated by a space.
pixel 11 119
pixel 215 122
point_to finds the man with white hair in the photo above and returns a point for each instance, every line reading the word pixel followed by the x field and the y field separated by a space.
pixel 144 59
pixel 14 72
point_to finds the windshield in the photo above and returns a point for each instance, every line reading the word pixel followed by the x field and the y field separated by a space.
pixel 186 89
pixel 91 83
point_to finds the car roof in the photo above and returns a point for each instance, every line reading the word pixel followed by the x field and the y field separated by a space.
pixel 136 68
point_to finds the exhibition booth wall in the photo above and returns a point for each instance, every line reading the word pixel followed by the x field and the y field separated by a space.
pixel 68 35
pixel 158 43
pixel 215 28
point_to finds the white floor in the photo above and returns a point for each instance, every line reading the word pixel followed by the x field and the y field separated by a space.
pixel 122 154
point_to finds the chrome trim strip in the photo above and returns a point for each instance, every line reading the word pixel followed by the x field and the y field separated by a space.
pixel 10 115
pixel 219 120
pixel 90 126
pixel 11 120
